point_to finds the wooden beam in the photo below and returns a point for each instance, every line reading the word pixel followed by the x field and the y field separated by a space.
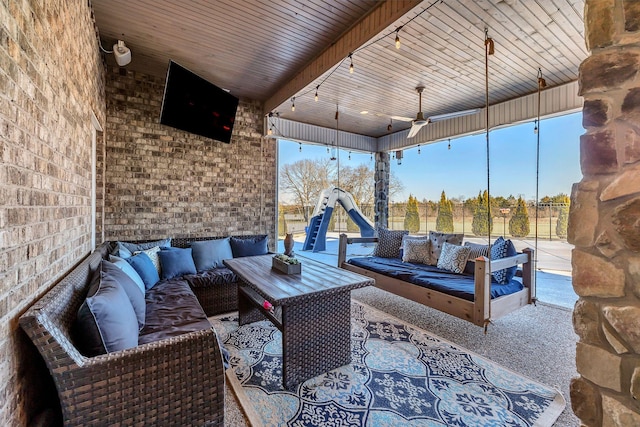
pixel 385 14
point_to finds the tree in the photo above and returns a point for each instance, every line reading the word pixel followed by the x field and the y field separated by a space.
pixel 519 223
pixel 304 180
pixel 563 217
pixel 411 216
pixel 444 221
pixel 482 224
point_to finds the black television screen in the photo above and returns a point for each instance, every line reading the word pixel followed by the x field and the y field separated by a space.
pixel 193 104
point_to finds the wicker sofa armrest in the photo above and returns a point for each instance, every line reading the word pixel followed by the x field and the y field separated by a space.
pixel 176 381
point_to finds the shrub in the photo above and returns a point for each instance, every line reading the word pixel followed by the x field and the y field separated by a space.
pixel 411 216
pixel 444 221
pixel 482 224
pixel 519 223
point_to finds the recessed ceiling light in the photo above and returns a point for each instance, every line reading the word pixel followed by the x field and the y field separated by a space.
pixel 364 112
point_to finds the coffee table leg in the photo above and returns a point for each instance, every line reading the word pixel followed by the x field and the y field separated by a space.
pixel 316 337
pixel 247 310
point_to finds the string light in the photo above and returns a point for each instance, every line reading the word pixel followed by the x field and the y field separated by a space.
pixel 371 157
pixel 390 125
pixel 449 146
pixel 535 127
pixel 418 149
pixel 398 37
pixel 349 155
pixel 270 131
pixel 350 56
pixel 300 149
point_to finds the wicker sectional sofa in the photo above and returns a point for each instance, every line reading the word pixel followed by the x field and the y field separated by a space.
pixel 172 377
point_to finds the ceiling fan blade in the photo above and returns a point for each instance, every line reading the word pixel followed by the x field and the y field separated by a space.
pixel 416 126
pixel 455 114
pixel 402 119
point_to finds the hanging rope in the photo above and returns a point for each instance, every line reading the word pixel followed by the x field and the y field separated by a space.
pixel 541 85
pixel 488 50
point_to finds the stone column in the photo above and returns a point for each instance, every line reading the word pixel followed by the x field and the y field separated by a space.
pixel 381 177
pixel 604 222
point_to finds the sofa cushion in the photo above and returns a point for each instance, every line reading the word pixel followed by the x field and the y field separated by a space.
pixel 453 257
pixel 106 321
pixel 111 271
pixel 123 265
pixel 502 248
pixel 389 242
pixel 145 268
pixel 176 262
pixel 431 277
pixel 172 310
pixel 416 250
pixel 437 240
pixel 249 247
pixel 209 254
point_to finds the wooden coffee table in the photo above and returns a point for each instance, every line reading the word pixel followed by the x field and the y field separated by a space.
pixel 311 309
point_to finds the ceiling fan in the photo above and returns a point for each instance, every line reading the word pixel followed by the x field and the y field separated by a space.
pixel 420 120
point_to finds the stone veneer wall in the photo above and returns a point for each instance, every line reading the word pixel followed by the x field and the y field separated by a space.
pixel 51 80
pixel 381 177
pixel 603 223
pixel 161 182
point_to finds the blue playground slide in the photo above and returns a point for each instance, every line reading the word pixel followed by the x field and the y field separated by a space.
pixel 317 231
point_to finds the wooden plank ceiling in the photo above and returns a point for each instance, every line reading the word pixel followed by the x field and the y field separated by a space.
pixel 271 51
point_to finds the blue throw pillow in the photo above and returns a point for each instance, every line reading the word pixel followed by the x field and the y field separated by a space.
pixel 110 271
pixel 145 269
pixel 502 249
pixel 209 254
pixel 123 265
pixel 176 262
pixel 249 247
pixel 106 321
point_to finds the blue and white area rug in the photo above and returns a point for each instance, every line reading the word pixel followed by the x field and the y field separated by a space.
pixel 399 375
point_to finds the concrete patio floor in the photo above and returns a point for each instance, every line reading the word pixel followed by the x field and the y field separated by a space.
pixel 553 275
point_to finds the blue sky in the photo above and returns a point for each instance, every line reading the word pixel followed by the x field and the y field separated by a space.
pixel 462 169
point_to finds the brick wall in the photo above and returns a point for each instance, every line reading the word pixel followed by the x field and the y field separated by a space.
pixel 603 222
pixel 51 80
pixel 160 181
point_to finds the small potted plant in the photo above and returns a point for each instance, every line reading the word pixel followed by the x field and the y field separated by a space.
pixel 286 264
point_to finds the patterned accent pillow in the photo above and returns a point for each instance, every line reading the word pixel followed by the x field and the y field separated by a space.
pixel 477 250
pixel 453 257
pixel 416 250
pixel 502 249
pixel 152 253
pixel 437 240
pixel 411 237
pixel 389 242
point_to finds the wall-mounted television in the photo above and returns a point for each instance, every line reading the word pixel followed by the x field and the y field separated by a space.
pixel 192 104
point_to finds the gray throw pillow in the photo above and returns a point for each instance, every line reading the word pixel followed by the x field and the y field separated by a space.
pixel 106 321
pixel 389 243
pixel 437 240
pixel 209 254
pixel 477 250
pixel 138 247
